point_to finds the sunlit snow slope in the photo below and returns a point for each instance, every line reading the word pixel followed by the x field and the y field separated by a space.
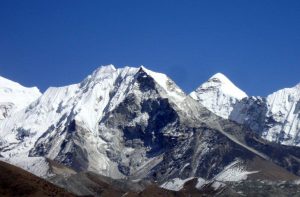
pixel 14 97
pixel 219 95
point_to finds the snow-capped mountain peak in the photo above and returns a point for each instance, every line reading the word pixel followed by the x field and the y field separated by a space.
pixel 226 86
pixel 218 94
pixel 135 124
pixel 91 108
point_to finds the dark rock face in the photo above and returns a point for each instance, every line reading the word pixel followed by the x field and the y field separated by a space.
pixel 254 113
pixel 161 114
pixel 5 109
pixel 155 116
pixel 297 108
pixel 76 158
pixel 146 83
pixel 251 112
pixel 22 133
pixel 206 153
pixel 71 154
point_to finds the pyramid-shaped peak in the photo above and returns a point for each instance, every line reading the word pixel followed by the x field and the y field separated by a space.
pixel 220 77
pixel 224 84
pixel 160 78
pixel 149 72
pixel 142 67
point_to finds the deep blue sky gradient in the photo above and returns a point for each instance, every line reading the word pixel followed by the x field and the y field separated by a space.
pixel 256 43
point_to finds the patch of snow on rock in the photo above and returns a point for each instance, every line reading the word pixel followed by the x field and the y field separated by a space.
pixel 234 172
pixel 175 184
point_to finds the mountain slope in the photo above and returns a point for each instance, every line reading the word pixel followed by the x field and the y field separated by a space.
pixel 14 97
pixel 17 182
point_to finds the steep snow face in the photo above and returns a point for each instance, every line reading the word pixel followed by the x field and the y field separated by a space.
pixel 284 113
pixel 14 97
pixel 218 95
pixel 87 125
pixel 275 118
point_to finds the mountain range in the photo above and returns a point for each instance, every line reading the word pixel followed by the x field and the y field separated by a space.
pixel 134 131
pixel 275 117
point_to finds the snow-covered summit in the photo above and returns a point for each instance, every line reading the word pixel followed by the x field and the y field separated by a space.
pixel 218 94
pixel 226 86
pixel 14 97
pixel 46 127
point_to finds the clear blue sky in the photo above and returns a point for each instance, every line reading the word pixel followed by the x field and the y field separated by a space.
pixel 256 43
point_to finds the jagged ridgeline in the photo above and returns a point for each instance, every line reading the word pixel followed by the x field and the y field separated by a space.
pixel 274 118
pixel 136 127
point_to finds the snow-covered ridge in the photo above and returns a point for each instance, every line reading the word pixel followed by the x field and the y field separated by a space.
pixel 167 84
pixel 15 97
